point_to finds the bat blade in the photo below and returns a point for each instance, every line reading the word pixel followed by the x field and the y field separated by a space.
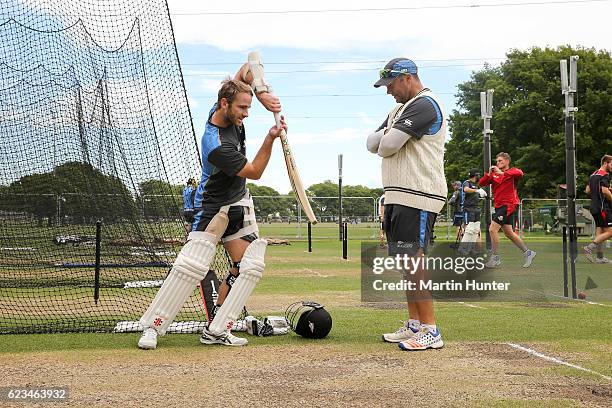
pixel 256 67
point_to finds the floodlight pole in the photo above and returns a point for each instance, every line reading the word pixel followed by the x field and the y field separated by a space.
pixel 341 235
pixel 568 89
pixel 486 113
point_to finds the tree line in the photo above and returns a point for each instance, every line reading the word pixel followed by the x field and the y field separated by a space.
pixel 83 194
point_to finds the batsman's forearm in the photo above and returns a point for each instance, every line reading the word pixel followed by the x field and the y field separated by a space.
pixel 260 162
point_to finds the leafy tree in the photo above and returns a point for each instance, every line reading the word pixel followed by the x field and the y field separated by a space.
pixel 71 189
pixel 528 119
pixel 328 207
pixel 324 207
pixel 160 199
pixel 266 202
pixel 355 207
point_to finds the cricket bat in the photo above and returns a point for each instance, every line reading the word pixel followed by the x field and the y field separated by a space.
pixel 256 68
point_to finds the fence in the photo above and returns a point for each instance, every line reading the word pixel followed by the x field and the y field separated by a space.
pixel 543 216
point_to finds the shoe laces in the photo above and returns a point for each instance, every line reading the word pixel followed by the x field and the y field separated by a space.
pixel 422 333
pixel 404 327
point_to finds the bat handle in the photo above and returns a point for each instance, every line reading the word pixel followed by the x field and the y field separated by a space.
pixel 277 118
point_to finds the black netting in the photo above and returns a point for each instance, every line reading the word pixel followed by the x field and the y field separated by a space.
pixel 94 126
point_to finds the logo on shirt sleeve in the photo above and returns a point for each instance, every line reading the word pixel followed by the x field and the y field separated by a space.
pixel 408 122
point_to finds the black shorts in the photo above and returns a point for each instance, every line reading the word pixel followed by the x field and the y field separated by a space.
pixel 189 216
pixel 236 221
pixel 603 219
pixel 408 229
pixel 501 216
pixel 471 215
pixel 458 219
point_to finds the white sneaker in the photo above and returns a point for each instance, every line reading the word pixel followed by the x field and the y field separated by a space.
pixel 528 255
pixel 403 333
pixel 423 340
pixel 493 262
pixel 603 260
pixel 226 338
pixel 148 340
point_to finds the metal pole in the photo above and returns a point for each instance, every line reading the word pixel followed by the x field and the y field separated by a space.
pixel 521 217
pixel 565 280
pixel 486 112
pixel 340 195
pixel 568 89
pixel 345 242
pixel 97 267
pixel 572 249
pixel 309 237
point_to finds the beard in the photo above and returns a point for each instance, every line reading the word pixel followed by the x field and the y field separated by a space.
pixel 233 119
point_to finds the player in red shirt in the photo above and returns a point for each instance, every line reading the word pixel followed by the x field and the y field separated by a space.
pixel 503 180
pixel 601 209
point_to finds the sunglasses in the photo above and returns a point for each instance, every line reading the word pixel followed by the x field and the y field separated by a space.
pixel 391 73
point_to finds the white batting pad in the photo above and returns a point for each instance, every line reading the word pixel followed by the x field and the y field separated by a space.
pixel 190 267
pixel 471 232
pixel 470 236
pixel 251 269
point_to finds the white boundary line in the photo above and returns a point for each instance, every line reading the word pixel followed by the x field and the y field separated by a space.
pixel 574 300
pixel 556 360
pixel 471 305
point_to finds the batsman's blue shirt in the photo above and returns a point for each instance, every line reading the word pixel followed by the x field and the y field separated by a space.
pixel 223 155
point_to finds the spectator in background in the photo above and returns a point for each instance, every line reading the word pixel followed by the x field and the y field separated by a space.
pixel 455 203
pixel 188 198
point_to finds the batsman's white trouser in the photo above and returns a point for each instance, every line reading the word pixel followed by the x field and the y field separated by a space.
pixel 251 270
pixel 190 267
pixel 470 236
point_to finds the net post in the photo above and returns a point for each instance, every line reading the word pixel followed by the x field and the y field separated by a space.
pixel 97 267
pixel 569 88
pixel 486 113
pixel 309 236
pixel 565 277
pixel 572 259
pixel 340 196
pixel 344 241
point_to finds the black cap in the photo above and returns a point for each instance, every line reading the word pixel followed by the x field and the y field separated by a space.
pixel 474 172
pixel 395 68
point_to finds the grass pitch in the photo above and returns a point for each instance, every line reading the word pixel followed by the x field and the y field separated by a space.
pixel 351 367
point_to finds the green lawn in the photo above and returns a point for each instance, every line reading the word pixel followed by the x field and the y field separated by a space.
pixel 559 325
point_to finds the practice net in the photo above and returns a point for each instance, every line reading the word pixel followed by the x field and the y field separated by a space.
pixel 95 126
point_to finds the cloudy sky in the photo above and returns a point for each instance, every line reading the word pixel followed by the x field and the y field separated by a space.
pixel 322 58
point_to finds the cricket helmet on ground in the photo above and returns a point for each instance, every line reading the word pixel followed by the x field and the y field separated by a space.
pixel 309 319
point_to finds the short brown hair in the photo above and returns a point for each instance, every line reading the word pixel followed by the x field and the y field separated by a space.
pixel 230 88
pixel 504 155
pixel 606 159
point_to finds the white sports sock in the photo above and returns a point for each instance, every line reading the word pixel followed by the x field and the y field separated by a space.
pixel 431 327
